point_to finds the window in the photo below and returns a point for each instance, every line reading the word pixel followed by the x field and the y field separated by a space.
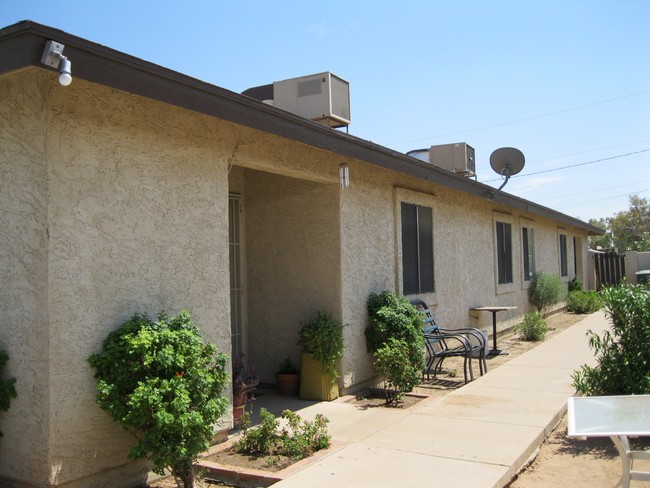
pixel 564 268
pixel 575 257
pixel 504 252
pixel 528 242
pixel 417 249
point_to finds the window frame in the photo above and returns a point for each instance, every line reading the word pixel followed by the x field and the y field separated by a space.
pixel 406 195
pixel 563 254
pixel 528 254
pixel 515 244
pixel 505 275
pixel 421 262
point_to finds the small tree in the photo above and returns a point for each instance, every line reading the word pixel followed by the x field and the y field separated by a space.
pixel 545 290
pixel 393 316
pixel 160 381
pixel 7 388
pixel 395 337
pixel 623 354
pixel 392 363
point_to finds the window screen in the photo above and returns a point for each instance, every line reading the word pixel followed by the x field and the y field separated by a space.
pixel 504 252
pixel 417 249
pixel 528 243
pixel 564 268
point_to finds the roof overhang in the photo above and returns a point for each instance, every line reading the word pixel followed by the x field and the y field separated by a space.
pixel 21 46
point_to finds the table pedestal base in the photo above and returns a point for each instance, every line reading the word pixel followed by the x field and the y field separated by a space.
pixel 497 352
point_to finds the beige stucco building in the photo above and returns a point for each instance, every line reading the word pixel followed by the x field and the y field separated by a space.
pixel 138 189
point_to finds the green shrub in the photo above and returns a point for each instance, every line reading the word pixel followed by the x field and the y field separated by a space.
pixel 302 438
pixel 622 354
pixel 533 328
pixel 546 289
pixel 584 302
pixel 393 364
pixel 322 336
pixel 575 284
pixel 298 440
pixel 261 440
pixel 160 381
pixel 393 316
pixel 7 388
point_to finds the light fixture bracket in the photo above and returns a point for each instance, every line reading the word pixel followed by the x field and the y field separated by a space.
pixel 52 54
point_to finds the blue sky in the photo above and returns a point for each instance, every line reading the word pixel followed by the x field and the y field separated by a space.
pixel 566 82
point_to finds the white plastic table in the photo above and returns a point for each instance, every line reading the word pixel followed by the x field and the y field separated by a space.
pixel 617 417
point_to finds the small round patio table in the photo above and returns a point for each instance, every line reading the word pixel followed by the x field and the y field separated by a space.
pixel 495 351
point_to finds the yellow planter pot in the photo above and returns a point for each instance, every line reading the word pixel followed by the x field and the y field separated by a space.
pixel 314 385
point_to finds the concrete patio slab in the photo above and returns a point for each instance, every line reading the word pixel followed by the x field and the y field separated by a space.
pixel 462 439
pixel 526 378
pixel 500 405
pixel 352 424
pixel 361 465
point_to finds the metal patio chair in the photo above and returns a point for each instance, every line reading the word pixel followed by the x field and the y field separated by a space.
pixel 441 343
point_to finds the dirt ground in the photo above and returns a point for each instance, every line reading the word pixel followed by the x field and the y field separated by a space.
pixel 560 461
pixel 579 463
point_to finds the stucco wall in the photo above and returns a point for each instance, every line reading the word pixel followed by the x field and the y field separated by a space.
pixel 370 259
pixel 635 261
pixel 464 256
pixel 292 263
pixel 367 260
pixel 138 219
pixel 23 274
pixel 137 222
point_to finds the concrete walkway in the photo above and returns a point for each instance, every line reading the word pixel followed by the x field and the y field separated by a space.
pixel 477 436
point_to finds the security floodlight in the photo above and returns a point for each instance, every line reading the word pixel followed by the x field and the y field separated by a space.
pixel 53 57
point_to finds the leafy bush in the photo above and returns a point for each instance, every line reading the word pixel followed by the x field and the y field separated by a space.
pixel 575 284
pixel 393 316
pixel 322 336
pixel 261 440
pixel 584 302
pixel 160 381
pixel 392 363
pixel 296 441
pixel 533 328
pixel 304 438
pixel 546 289
pixel 7 388
pixel 622 354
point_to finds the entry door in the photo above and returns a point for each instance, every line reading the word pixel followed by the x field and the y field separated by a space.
pixel 237 323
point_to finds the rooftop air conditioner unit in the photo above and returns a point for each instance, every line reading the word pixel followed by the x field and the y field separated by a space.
pixel 322 97
pixel 457 158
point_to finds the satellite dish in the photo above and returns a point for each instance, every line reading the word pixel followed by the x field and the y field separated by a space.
pixel 506 161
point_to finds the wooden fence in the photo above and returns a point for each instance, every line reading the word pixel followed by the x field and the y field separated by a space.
pixel 610 269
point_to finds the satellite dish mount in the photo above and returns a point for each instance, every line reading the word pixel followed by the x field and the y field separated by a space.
pixel 506 161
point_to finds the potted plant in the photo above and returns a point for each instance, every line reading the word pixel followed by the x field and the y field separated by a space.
pixel 244 382
pixel 288 378
pixel 321 338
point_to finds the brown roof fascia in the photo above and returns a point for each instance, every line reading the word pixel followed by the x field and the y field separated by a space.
pixel 21 45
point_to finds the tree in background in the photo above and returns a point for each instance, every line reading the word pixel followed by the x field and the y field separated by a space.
pixel 604 242
pixel 628 230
